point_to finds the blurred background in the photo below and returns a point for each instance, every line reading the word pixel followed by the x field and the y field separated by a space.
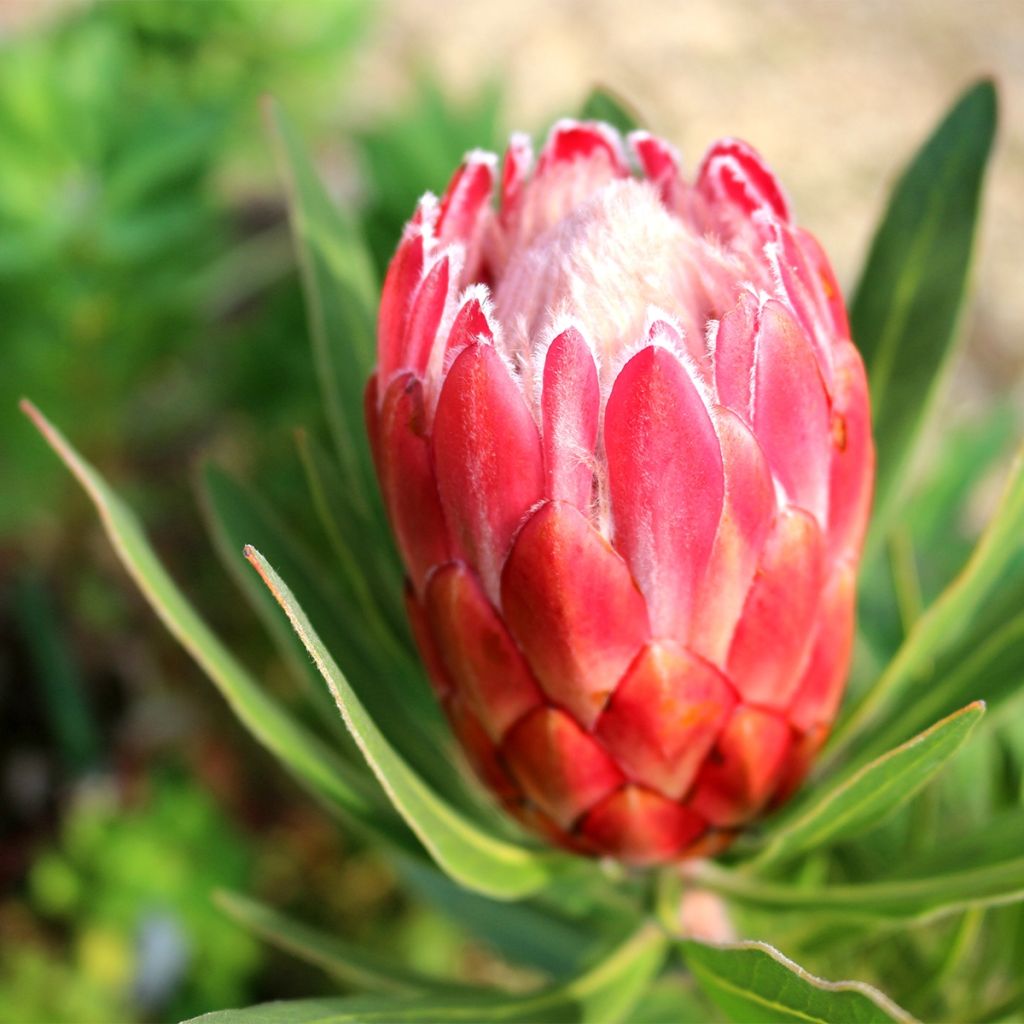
pixel 149 304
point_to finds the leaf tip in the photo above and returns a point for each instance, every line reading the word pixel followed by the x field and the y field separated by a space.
pixel 262 566
pixel 51 435
pixel 986 86
pixel 603 103
pixel 31 410
pixel 981 97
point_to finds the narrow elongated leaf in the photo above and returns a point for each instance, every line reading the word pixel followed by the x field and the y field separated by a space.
pixel 603 105
pixel 380 667
pixel 341 299
pixel 473 857
pixel 931 523
pixel 994 669
pixel 530 932
pixel 305 755
pixel 234 519
pixel 968 453
pixel 674 998
pixel 349 963
pixel 238 517
pixel 905 310
pixel 877 790
pixel 373 573
pixel 752 982
pixel 608 992
pixel 947 621
pixel 53 663
pixel 341 296
pixel 241 516
pixel 998 841
pixel 604 994
pixel 896 899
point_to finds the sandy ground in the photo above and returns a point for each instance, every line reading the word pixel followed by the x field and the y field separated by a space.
pixel 835 93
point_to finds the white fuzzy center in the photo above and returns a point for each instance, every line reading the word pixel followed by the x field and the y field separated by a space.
pixel 606 265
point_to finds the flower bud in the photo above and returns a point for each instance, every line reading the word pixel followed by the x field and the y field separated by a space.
pixel 624 444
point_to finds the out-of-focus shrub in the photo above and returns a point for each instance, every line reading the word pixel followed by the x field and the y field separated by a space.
pixel 119 127
pixel 129 885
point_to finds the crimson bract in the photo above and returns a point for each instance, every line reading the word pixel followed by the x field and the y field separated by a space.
pixel 623 439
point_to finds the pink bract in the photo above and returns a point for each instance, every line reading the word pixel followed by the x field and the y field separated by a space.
pixel 624 443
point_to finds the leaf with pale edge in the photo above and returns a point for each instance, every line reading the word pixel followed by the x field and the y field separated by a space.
pixel 382 671
pixel 917 899
pixel 994 667
pixel 341 292
pixel 303 753
pixel 839 811
pixel 234 517
pixel 473 857
pixel 606 993
pixel 946 622
pixel 751 982
pixel 349 963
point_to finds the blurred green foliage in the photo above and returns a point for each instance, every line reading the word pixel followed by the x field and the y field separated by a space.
pixel 147 288
pixel 124 130
pixel 853 910
pixel 149 300
pixel 148 293
pixel 130 883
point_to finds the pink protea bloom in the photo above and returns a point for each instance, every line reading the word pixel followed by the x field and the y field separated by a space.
pixel 624 443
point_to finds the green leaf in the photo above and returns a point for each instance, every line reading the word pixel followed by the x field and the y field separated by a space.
pixel 998 841
pixel 674 998
pixel 603 105
pixel 946 622
pixel 341 299
pixel 606 994
pixel 306 756
pixel 381 668
pixel 918 900
pixel 52 661
pixel 349 963
pixel 530 932
pixel 751 982
pixel 994 668
pixel 905 311
pixel 374 577
pixel 968 453
pixel 341 296
pixel 906 579
pixel 236 518
pixel 477 859
pixel 875 791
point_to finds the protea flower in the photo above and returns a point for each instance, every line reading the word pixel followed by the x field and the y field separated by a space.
pixel 623 439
